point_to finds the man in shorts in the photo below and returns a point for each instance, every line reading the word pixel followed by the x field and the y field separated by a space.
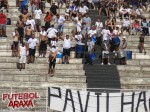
pixel 3 20
pixel 32 44
pixel 28 32
pixel 38 15
pixel 22 54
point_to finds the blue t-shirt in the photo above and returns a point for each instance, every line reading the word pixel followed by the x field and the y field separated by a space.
pixel 24 2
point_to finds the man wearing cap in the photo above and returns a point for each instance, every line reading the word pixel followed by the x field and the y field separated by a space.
pixel 3 20
pixel 122 50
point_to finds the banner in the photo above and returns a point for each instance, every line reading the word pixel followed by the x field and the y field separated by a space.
pixel 68 100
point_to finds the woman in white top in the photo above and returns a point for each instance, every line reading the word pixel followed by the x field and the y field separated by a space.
pixel 15 43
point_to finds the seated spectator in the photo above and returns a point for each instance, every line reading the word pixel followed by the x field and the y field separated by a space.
pixel 67 12
pixel 54 8
pixel 73 10
pixel 47 20
pixel 123 12
pixel 112 8
pixel 15 43
pixel 60 3
pixel 83 10
pixel 52 61
pixel 131 13
pixel 60 24
pixel 144 4
pixel 126 25
pixel 3 22
pixel 139 12
pixel 144 25
pixel 103 7
pixel 108 23
pixel 90 4
pixel 4 3
pixel 134 2
pixel 136 27
pixel 43 43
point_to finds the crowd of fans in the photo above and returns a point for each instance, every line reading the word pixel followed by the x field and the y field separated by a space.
pixel 86 33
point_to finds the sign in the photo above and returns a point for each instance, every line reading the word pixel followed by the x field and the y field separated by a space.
pixel 20 100
pixel 68 100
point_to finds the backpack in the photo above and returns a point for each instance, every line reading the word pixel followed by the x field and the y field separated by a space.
pixel 8 21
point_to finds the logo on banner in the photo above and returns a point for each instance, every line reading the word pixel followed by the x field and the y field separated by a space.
pixel 20 100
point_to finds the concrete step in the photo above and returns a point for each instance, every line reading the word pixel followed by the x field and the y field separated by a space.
pixel 43 66
pixel 41 72
pixel 39 60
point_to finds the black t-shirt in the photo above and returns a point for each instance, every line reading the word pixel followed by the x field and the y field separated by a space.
pixel 53 9
pixel 141 39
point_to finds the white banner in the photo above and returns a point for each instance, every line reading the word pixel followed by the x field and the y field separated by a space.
pixel 68 100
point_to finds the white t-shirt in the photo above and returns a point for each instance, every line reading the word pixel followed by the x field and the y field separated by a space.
pixel 32 43
pixel 78 38
pixel 105 34
pixel 126 23
pixel 38 14
pixel 99 25
pixel 78 25
pixel 43 33
pixel 32 22
pixel 83 9
pixel 23 51
pixel 92 32
pixel 51 32
pixel 67 43
pixel 138 11
pixel 53 43
pixel 60 20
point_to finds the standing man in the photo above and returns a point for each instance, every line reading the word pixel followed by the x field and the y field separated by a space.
pixel 24 5
pixel 28 33
pixel 66 49
pixel 38 14
pixel 43 44
pixel 22 54
pixel 3 20
pixel 32 43
pixel 90 45
pixel 51 33
pixel 32 22
pixel 87 23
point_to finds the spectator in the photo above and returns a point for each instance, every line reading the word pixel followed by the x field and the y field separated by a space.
pixel 60 22
pixel 131 13
pixel 15 43
pixel 24 17
pixel 112 8
pixel 126 25
pixel 52 61
pixel 83 10
pixel 43 44
pixel 42 5
pixel 28 32
pixel 144 25
pixel 3 21
pixel 78 38
pixel 122 48
pixel 141 44
pixel 108 23
pixel 73 10
pixel 136 27
pixel 144 3
pixel 22 54
pixel 99 27
pixel 67 12
pixel 54 41
pixel 4 3
pixel 32 44
pixel 20 28
pixel 32 22
pixel 103 7
pixel 34 6
pixel 92 33
pixel 54 8
pixel 123 12
pixel 51 32
pixel 139 12
pixel 105 51
pixel 105 34
pixel 24 6
pixel 47 20
pixel 90 46
pixel 38 14
pixel 66 49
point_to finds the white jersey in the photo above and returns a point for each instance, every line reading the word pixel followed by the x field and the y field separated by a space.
pixel 67 43
pixel 23 51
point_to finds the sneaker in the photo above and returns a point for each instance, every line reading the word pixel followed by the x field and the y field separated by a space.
pixel 102 63
pixel 108 63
